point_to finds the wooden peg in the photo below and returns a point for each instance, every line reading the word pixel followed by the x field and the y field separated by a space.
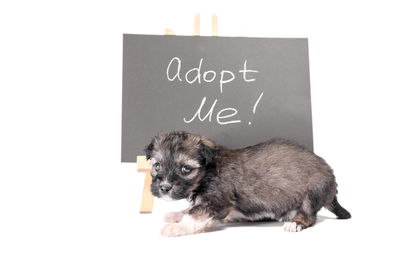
pixel 169 32
pixel 197 24
pixel 214 25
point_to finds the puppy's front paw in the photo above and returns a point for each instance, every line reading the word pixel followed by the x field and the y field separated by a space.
pixel 292 227
pixel 175 229
pixel 173 217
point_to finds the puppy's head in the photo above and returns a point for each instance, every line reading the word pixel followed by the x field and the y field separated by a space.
pixel 179 161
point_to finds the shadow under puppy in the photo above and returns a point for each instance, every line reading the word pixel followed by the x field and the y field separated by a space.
pixel 277 179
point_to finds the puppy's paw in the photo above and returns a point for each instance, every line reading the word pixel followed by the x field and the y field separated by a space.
pixel 175 229
pixel 173 217
pixel 292 227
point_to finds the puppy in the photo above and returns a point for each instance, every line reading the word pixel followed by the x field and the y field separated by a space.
pixel 277 179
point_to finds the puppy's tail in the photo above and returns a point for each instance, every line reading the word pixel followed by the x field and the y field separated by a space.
pixel 338 210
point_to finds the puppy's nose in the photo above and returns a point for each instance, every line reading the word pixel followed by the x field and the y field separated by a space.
pixel 165 188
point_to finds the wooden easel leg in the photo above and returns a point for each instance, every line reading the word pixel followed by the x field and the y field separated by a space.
pixel 147 198
pixel 144 165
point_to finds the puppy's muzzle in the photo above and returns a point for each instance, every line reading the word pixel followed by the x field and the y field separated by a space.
pixel 165 188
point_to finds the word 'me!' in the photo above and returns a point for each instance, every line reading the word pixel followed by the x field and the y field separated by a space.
pixel 174 72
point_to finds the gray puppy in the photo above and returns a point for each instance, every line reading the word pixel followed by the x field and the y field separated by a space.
pixel 277 179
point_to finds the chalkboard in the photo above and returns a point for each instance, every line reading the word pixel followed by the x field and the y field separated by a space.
pixel 236 91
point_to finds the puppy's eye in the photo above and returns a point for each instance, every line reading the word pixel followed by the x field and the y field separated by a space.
pixel 186 169
pixel 157 166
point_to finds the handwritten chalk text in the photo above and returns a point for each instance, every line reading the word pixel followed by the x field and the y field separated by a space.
pixel 223 77
pixel 229 112
pixel 196 74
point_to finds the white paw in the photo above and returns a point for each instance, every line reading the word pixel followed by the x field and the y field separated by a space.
pixel 292 227
pixel 175 229
pixel 173 217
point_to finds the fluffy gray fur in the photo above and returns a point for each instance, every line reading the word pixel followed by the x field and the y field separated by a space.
pixel 277 179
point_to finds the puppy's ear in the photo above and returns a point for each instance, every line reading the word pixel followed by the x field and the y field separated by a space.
pixel 208 152
pixel 149 149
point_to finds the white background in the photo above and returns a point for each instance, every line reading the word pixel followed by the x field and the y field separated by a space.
pixel 65 198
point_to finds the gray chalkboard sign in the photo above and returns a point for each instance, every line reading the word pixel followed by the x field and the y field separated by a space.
pixel 237 91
